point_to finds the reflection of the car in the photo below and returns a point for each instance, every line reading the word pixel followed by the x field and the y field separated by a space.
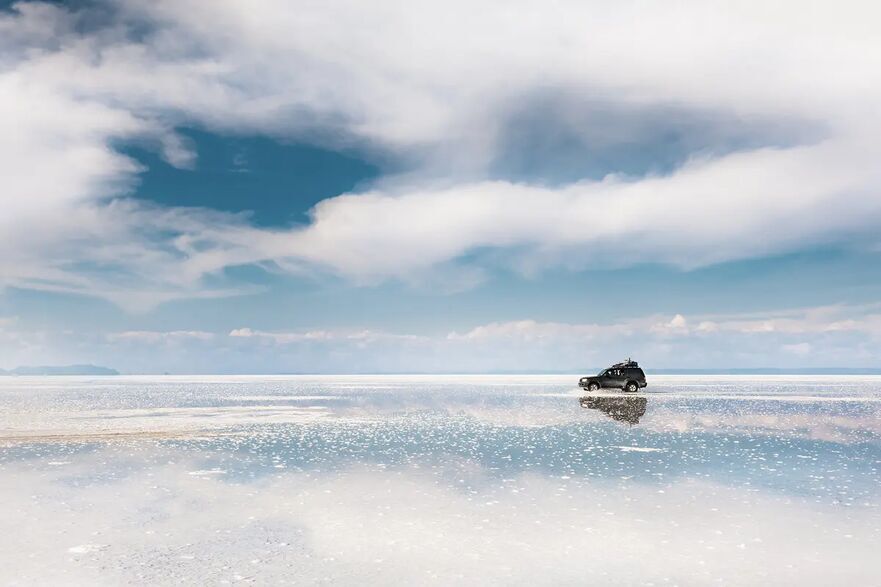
pixel 622 409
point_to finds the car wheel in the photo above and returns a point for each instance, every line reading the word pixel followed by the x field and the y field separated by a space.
pixel 631 387
pixel 593 387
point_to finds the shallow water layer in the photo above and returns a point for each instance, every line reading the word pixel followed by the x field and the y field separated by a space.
pixel 403 480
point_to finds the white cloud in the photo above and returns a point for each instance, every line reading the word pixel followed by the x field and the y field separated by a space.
pixel 360 338
pixel 743 205
pixel 865 319
pixel 531 331
pixel 436 89
pixel 151 336
pixel 281 337
pixel 677 325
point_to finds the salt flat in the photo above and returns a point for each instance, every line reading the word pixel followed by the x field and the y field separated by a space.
pixel 439 479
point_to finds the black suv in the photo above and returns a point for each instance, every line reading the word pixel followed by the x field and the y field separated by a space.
pixel 627 376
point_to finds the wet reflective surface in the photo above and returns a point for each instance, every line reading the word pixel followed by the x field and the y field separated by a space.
pixel 622 409
pixel 402 480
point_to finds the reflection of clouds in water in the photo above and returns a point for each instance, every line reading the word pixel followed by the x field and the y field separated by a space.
pixel 156 523
pixel 828 427
pixel 456 482
pixel 828 472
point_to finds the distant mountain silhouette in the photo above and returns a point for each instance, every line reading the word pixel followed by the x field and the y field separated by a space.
pixel 61 370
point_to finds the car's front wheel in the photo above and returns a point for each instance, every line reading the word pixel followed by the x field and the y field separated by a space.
pixel 593 386
pixel 631 386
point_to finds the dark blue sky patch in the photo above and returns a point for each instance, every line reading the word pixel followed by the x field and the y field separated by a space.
pixel 276 182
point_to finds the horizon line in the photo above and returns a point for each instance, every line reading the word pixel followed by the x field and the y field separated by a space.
pixel 502 372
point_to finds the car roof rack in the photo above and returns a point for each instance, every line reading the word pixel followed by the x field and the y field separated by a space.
pixel 628 363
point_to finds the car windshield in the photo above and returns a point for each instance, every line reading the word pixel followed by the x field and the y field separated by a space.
pixel 601 373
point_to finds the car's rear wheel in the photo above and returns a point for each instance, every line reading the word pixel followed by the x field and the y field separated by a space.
pixel 631 386
pixel 593 386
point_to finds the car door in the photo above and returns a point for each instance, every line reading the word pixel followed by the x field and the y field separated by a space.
pixel 613 378
pixel 635 375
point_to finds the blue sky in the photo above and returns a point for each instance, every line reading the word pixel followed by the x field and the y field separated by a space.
pixel 286 187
